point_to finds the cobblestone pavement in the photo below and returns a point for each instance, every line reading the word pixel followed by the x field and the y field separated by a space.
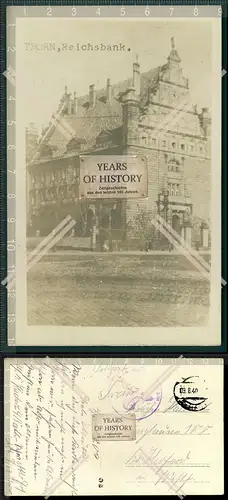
pixel 89 289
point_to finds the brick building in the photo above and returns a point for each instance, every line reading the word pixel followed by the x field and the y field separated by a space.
pixel 150 114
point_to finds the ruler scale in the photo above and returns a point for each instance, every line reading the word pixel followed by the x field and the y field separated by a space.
pixel 70 10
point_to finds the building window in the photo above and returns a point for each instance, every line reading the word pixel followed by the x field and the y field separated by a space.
pixel 191 147
pixel 164 144
pixel 174 166
pixel 144 139
pixel 154 142
pixel 183 147
pixel 174 189
pixel 201 150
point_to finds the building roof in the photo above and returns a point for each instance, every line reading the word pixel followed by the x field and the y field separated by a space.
pixel 85 125
pixel 89 122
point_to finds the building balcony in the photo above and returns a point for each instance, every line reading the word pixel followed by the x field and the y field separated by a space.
pixel 47 202
pixel 61 201
pixel 180 200
pixel 180 203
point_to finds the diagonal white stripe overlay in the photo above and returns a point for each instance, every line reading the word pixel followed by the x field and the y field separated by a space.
pixel 183 242
pixel 182 249
pixel 76 389
pixel 191 254
pixel 48 238
pixel 67 131
pixel 45 245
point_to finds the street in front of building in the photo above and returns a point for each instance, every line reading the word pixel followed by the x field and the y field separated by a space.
pixel 117 289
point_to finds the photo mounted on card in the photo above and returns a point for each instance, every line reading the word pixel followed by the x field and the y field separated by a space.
pixel 117 187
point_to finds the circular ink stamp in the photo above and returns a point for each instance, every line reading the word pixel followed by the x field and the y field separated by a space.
pixel 191 393
pixel 142 404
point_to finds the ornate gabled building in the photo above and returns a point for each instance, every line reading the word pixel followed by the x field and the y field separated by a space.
pixel 150 114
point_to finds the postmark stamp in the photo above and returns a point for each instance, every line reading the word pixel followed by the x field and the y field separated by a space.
pixel 143 404
pixel 110 427
pixel 191 393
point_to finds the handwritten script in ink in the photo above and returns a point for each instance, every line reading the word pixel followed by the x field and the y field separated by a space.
pixel 49 427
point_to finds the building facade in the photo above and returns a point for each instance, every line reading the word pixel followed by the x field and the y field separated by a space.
pixel 150 114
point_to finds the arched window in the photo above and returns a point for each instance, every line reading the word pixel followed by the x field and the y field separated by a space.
pixel 144 138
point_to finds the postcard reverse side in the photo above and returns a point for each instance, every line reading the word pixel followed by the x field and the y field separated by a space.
pixel 117 165
pixel 90 428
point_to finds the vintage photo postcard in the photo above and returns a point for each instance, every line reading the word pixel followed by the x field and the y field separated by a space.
pixel 117 177
pixel 113 427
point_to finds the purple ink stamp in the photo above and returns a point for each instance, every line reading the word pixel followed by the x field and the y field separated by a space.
pixel 142 404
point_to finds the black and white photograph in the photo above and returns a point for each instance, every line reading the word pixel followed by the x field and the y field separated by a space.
pixel 120 180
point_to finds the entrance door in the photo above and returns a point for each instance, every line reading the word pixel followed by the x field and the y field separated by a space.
pixel 176 224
